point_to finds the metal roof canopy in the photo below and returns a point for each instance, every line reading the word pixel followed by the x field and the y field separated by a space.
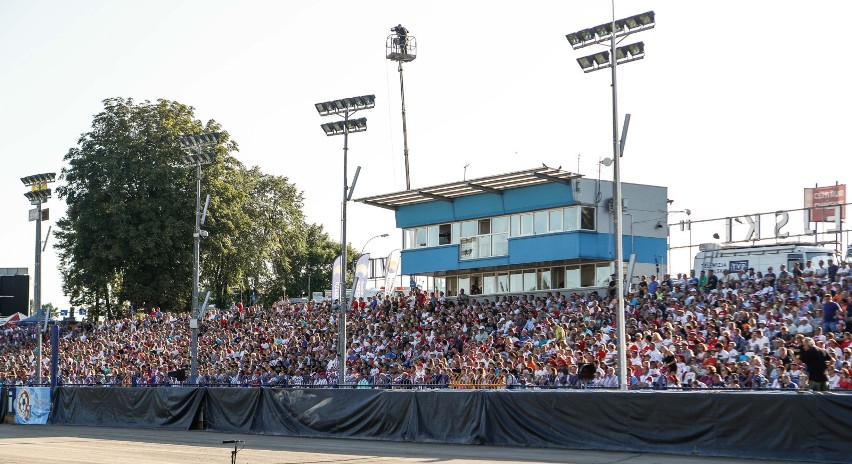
pixel 491 184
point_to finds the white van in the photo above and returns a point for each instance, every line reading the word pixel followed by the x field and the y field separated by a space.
pixel 760 257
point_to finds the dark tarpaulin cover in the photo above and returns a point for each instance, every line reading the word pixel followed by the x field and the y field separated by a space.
pixel 167 407
pixel 787 426
pixel 4 403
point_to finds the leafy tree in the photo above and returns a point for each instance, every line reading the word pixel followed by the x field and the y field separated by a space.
pixel 127 234
pixel 313 265
pixel 129 217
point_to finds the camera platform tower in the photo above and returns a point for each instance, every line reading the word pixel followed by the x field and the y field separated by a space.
pixel 402 48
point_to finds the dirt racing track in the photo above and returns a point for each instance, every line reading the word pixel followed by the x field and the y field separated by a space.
pixel 25 444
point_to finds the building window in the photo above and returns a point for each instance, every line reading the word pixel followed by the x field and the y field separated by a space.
pixel 540 222
pixel 529 280
pixel 464 284
pixel 452 286
pixel 432 236
pixel 468 229
pixel 588 275
pixel 603 272
pixel 555 220
pixel 468 248
pixel 502 283
pixel 544 282
pixel 557 277
pixel 488 284
pixel 572 277
pixel 500 245
pixel 484 246
pixel 526 224
pixel 516 281
pixel 587 218
pixel 569 215
pixel 484 226
pixel 476 284
pixel 444 234
pixel 421 237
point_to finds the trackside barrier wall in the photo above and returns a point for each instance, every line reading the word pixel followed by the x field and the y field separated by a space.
pixel 786 426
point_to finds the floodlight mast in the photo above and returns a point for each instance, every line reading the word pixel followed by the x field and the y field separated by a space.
pixel 598 35
pixel 401 47
pixel 196 156
pixel 345 107
pixel 38 194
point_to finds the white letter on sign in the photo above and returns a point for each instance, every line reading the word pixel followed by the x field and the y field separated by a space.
pixel 781 220
pixel 753 227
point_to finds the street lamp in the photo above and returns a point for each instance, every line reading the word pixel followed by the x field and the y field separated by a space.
pixel 370 240
pixel 402 48
pixel 39 193
pixel 602 60
pixel 196 156
pixel 345 107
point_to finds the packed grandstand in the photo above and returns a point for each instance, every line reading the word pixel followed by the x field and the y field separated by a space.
pixel 736 331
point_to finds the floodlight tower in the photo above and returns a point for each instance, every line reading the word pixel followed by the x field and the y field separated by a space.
pixel 195 147
pixel 38 194
pixel 402 48
pixel 345 107
pixel 608 32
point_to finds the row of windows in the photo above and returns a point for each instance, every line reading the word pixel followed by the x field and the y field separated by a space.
pixel 528 280
pixel 482 238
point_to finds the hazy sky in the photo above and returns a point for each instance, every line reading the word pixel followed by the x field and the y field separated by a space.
pixel 737 107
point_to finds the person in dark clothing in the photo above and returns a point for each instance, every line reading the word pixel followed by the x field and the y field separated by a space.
pixel 815 360
pixel 712 280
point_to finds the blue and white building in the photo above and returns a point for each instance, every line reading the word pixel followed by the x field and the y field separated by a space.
pixel 528 231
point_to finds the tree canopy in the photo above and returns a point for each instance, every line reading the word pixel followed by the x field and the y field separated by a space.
pixel 127 235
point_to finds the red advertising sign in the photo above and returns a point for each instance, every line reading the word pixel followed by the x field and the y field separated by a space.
pixel 822 201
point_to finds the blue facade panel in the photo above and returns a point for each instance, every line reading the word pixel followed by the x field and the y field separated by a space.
pixel 515 200
pixel 647 249
pixel 537 197
pixel 477 206
pixel 534 249
pixel 429 260
pixel 567 245
pixel 432 212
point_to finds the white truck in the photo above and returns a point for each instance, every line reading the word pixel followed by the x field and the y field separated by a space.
pixel 760 257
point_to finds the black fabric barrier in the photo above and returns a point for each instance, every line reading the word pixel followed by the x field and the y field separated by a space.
pixel 4 403
pixel 172 407
pixel 786 426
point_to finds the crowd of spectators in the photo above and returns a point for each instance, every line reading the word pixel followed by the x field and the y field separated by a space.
pixel 735 331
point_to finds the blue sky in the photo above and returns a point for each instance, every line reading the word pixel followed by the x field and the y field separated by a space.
pixel 737 107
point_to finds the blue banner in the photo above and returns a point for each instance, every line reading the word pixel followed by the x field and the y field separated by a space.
pixel 32 405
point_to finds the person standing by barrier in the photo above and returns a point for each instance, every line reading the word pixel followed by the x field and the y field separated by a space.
pixel 816 360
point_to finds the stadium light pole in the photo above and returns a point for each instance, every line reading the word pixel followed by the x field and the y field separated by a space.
pixel 601 34
pixel 402 48
pixel 345 107
pixel 38 194
pixel 195 147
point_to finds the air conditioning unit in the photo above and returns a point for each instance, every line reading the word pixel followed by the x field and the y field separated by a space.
pixel 709 247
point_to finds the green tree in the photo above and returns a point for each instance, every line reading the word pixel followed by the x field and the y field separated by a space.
pixel 313 264
pixel 127 234
pixel 257 237
pixel 129 217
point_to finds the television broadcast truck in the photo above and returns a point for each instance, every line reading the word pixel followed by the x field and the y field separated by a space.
pixel 760 257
